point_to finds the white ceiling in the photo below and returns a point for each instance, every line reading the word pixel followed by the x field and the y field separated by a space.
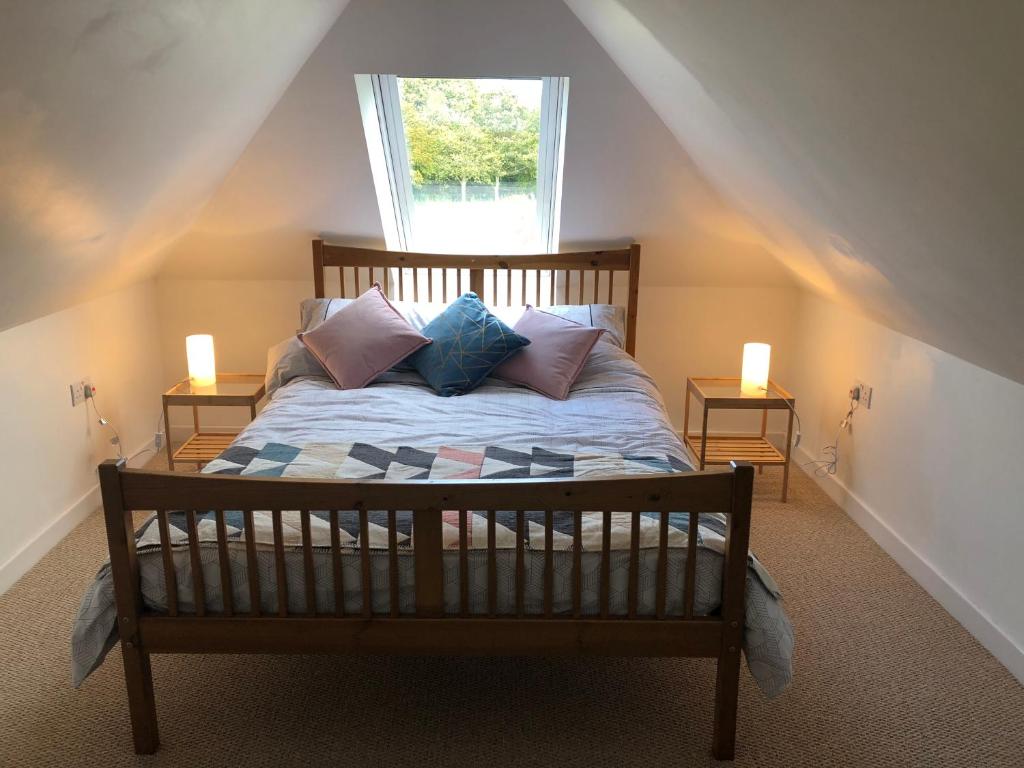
pixel 118 119
pixel 878 147
pixel 306 171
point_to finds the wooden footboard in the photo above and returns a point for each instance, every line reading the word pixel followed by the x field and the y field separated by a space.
pixel 429 630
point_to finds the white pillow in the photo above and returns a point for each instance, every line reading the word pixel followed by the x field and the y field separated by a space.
pixel 610 317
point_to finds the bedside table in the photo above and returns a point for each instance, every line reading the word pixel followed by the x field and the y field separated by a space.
pixel 723 393
pixel 231 389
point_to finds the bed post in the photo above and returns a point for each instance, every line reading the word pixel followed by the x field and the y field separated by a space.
pixel 318 269
pixel 737 542
pixel 124 570
pixel 429 543
pixel 633 297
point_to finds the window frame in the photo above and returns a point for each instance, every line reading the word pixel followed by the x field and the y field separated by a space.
pixel 381 111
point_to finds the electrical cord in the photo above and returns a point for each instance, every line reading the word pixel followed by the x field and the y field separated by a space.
pixel 830 464
pixel 799 427
pixel 116 439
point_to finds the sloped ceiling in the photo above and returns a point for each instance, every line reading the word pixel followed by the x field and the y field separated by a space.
pixel 306 171
pixel 118 119
pixel 878 147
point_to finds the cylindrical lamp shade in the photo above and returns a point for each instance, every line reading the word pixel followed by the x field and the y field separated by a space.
pixel 202 370
pixel 754 377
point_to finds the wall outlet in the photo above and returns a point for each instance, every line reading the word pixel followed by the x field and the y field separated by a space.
pixel 862 393
pixel 77 393
pixel 81 391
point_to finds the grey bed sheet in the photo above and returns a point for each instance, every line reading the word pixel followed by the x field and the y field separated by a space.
pixel 614 408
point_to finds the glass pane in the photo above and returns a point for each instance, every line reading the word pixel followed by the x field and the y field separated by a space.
pixel 225 385
pixel 732 388
pixel 473 148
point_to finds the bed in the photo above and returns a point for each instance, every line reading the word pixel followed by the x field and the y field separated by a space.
pixel 390 520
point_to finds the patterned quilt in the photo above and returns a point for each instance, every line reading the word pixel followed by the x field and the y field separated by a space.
pixel 371 462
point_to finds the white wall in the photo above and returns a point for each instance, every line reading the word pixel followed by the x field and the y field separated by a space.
pixel 931 471
pixel 877 146
pixel 49 450
pixel 700 331
pixel 246 317
pixel 118 119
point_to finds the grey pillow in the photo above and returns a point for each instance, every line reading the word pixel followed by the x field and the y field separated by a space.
pixel 289 360
pixel 610 317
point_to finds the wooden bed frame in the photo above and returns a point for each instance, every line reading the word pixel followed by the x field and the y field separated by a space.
pixel 429 630
pixel 583 277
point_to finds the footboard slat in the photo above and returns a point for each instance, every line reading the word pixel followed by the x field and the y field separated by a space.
pixel 633 586
pixel 308 570
pixel 492 567
pixel 170 574
pixel 364 557
pixel 577 563
pixel 463 563
pixel 549 562
pixel 520 562
pixel 339 582
pixel 252 564
pixel 661 587
pixel 393 558
pixel 606 563
pixel 690 588
pixel 226 582
pixel 198 587
pixel 279 564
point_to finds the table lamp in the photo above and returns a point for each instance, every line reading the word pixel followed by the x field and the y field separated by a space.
pixel 202 369
pixel 754 375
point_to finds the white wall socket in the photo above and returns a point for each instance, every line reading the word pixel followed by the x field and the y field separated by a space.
pixel 862 392
pixel 78 391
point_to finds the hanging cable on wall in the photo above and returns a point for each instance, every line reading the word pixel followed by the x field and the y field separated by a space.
pixel 830 464
pixel 115 441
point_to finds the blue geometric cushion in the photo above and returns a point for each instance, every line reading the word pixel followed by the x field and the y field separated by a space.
pixel 468 343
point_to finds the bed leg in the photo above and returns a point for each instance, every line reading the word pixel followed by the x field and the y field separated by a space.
pixel 734 570
pixel 727 689
pixel 124 569
pixel 141 704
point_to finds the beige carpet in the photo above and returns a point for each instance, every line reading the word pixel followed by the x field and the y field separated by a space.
pixel 884 677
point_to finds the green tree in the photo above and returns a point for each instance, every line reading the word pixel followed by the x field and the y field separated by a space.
pixel 456 132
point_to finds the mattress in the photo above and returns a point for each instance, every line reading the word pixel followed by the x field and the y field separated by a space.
pixel 614 422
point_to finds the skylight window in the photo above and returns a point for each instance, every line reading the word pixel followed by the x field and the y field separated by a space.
pixel 466 165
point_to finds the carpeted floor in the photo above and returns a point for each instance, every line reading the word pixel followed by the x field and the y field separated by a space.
pixel 884 677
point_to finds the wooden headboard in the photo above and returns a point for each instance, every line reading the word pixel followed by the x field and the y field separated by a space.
pixel 584 277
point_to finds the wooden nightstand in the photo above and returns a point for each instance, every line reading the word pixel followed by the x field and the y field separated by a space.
pixel 231 389
pixel 723 393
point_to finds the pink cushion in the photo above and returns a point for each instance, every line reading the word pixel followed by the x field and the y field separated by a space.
pixel 361 341
pixel 556 355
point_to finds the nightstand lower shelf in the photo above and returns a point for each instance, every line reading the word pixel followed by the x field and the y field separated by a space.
pixel 722 449
pixel 203 447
